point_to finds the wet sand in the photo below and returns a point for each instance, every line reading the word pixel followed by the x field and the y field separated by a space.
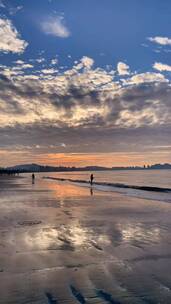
pixel 60 243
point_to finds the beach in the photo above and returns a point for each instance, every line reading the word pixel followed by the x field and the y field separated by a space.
pixel 63 243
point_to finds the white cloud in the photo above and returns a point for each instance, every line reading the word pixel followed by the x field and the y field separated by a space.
pixel 49 71
pixel 40 60
pixel 19 62
pixel 22 66
pixel 87 62
pixel 15 70
pixel 27 66
pixel 162 67
pixel 160 40
pixel 54 61
pixel 14 10
pixel 10 72
pixel 145 78
pixel 123 68
pixel 55 26
pixel 10 40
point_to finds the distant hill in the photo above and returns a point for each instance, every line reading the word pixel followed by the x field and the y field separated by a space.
pixel 28 168
pixel 145 167
pixel 40 168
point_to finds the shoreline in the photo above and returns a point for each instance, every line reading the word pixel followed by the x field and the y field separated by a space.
pixel 116 185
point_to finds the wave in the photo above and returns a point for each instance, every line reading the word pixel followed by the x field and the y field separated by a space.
pixel 114 185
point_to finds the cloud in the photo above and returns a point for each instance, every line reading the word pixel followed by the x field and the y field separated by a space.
pixel 49 71
pixel 162 67
pixel 148 116
pixel 145 78
pixel 10 40
pixel 16 70
pixel 87 62
pixel 86 108
pixel 81 97
pixel 160 40
pixel 19 62
pixel 55 26
pixel 54 61
pixel 40 60
pixel 123 69
pixel 24 66
pixel 13 10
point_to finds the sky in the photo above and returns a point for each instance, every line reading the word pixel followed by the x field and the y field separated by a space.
pixel 85 82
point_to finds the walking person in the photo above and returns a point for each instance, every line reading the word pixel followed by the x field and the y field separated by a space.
pixel 91 179
pixel 33 178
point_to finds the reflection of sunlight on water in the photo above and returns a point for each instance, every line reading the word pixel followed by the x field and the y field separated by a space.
pixel 63 189
pixel 78 235
pixel 140 233
pixel 74 235
pixel 42 238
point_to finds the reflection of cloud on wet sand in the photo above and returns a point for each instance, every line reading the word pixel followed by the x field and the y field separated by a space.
pixel 66 237
pixel 75 236
pixel 140 233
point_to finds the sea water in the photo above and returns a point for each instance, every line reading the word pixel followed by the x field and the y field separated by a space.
pixel 109 180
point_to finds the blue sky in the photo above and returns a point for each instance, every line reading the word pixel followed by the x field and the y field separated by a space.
pixel 85 69
pixel 107 31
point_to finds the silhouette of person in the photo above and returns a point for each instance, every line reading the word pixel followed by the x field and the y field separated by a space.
pixel 91 179
pixel 33 178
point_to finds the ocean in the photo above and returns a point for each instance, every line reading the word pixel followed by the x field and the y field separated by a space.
pixel 148 184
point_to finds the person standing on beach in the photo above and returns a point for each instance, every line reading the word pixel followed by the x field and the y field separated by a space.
pixel 91 179
pixel 33 178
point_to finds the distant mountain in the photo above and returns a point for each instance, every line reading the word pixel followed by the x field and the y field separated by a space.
pixel 161 166
pixel 40 168
pixel 145 167
pixel 28 168
pixel 31 168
